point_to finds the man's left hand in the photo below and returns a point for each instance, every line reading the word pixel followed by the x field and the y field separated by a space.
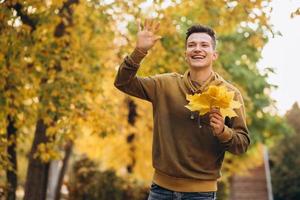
pixel 216 121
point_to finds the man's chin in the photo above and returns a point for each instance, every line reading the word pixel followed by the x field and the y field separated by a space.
pixel 199 66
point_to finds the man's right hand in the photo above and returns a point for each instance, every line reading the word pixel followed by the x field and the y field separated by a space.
pixel 146 36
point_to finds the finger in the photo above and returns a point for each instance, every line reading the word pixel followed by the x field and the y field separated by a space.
pixel 216 115
pixel 216 118
pixel 217 129
pixel 216 126
pixel 215 110
pixel 139 25
pixel 156 27
pixel 216 121
pixel 157 38
pixel 147 25
pixel 212 123
pixel 150 25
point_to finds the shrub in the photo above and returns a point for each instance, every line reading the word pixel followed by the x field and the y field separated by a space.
pixel 87 182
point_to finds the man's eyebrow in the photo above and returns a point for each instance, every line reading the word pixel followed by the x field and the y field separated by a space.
pixel 196 42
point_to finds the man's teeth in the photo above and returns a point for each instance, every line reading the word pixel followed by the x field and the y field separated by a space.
pixel 198 57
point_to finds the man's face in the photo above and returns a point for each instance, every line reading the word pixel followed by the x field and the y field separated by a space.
pixel 199 51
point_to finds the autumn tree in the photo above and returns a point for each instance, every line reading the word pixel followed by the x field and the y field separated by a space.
pixel 16 93
pixel 50 68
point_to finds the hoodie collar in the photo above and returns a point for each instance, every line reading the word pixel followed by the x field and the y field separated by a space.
pixel 214 79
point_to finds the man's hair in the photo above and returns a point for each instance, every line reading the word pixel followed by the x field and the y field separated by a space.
pixel 198 28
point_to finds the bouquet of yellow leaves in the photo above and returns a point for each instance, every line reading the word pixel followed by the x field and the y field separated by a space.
pixel 214 97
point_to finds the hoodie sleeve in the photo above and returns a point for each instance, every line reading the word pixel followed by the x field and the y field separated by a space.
pixel 235 139
pixel 127 81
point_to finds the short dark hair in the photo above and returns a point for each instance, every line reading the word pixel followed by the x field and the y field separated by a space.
pixel 198 28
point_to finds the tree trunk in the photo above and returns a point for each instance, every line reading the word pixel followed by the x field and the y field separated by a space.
pixel 11 174
pixel 54 169
pixel 68 152
pixel 132 115
pixel 37 172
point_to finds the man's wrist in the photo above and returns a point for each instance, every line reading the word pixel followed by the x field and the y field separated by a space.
pixel 225 135
pixel 142 51
pixel 137 56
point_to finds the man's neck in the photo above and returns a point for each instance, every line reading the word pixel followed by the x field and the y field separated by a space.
pixel 200 75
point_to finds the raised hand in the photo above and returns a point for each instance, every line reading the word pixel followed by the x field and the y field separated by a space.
pixel 146 36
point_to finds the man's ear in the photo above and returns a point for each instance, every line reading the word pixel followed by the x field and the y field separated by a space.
pixel 215 55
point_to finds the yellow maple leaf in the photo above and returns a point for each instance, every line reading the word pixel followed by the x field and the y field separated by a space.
pixel 215 96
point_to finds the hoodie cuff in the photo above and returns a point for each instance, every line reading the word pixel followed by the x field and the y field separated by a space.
pixel 226 135
pixel 137 56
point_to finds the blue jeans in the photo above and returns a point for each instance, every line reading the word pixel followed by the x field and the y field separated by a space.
pixel 159 193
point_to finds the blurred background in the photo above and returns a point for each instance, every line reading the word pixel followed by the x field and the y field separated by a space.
pixel 67 133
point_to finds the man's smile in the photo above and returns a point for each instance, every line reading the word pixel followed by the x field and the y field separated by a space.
pixel 198 57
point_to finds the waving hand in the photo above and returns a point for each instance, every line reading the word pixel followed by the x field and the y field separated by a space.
pixel 147 35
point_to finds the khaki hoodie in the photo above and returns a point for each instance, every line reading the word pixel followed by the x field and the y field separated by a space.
pixel 186 155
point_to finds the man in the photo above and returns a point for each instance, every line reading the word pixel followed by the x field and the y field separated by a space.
pixel 188 149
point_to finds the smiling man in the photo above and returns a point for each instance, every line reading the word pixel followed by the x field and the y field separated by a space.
pixel 188 149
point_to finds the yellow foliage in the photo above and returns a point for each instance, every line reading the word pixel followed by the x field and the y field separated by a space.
pixel 47 152
pixel 113 151
pixel 215 96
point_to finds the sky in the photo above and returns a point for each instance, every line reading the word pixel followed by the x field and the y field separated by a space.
pixel 283 54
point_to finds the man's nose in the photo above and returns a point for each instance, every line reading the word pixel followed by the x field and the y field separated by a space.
pixel 197 48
